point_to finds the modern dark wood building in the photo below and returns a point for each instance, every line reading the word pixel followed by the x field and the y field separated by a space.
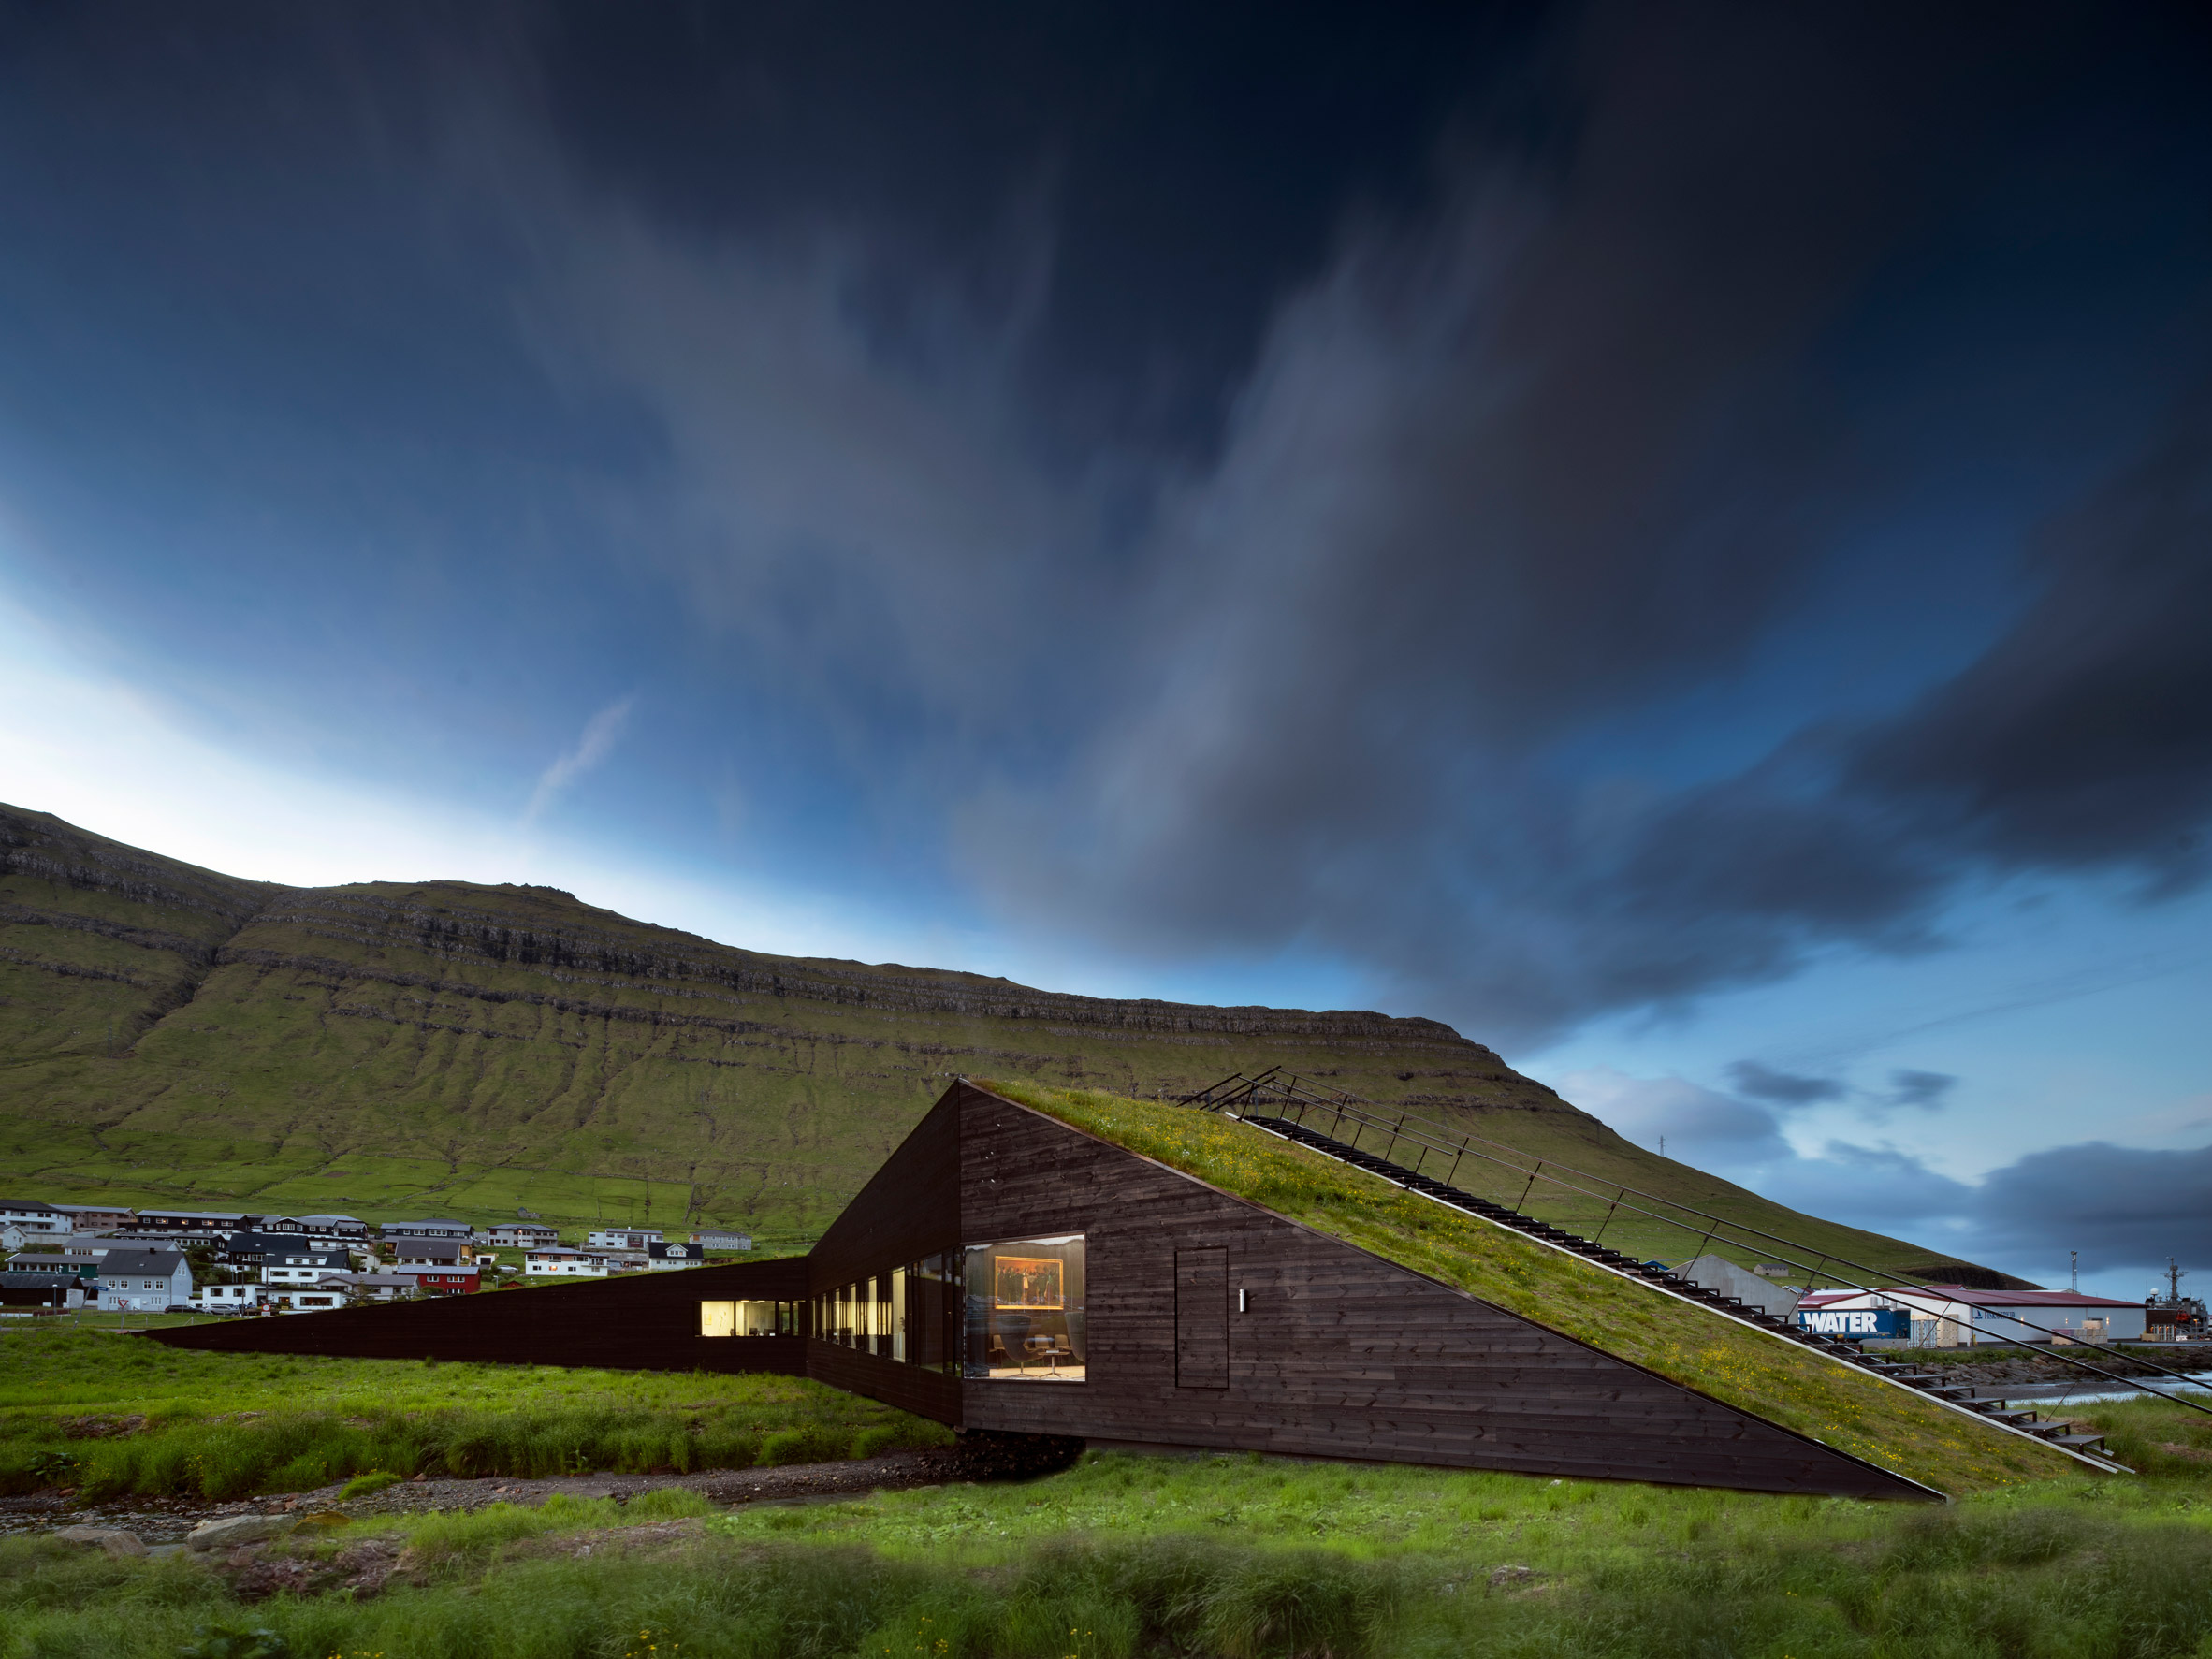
pixel 1006 1272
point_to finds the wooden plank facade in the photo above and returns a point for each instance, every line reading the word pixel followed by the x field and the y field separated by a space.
pixel 1211 1322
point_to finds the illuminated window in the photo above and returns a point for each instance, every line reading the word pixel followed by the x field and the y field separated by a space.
pixel 1025 1311
pixel 749 1319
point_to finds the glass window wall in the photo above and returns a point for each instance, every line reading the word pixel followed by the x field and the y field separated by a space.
pixel 750 1319
pixel 1024 1311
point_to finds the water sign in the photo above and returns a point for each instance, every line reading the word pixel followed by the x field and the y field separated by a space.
pixel 1849 1323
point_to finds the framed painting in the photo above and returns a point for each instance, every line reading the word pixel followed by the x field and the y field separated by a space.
pixel 1030 1282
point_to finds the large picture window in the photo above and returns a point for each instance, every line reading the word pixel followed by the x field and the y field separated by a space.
pixel 1025 1318
pixel 749 1319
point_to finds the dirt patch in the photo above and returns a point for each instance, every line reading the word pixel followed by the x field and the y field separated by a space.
pixel 977 1458
pixel 98 1427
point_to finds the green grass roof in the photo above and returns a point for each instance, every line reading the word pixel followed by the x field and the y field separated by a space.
pixel 1887 1426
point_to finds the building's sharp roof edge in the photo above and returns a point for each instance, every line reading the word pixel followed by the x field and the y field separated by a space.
pixel 1514 1313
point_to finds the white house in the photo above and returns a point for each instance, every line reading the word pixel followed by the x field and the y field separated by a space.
pixel 32 1219
pixel 328 1293
pixel 144 1281
pixel 661 1258
pixel 304 1266
pixel 229 1298
pixel 559 1262
pixel 1951 1316
pixel 720 1239
pixel 625 1238
pixel 521 1234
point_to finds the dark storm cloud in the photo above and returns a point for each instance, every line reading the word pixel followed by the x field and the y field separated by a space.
pixel 1244 487
pixel 2123 1209
pixel 1924 1090
pixel 2084 737
pixel 2119 1207
pixel 1762 1083
pixel 1556 455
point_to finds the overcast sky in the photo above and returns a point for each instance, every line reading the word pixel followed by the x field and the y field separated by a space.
pixel 1674 539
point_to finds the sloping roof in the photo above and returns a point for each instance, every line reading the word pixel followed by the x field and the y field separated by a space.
pixel 153 1264
pixel 1890 1427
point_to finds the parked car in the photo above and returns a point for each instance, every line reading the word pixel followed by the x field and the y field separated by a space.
pixel 180 1307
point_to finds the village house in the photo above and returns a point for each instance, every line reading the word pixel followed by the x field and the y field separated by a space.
pixel 302 1265
pixel 325 1295
pixel 660 1257
pixel 144 1281
pixel 520 1235
pixel 82 1268
pixel 625 1238
pixel 26 1294
pixel 717 1239
pixel 95 1218
pixel 560 1261
pixel 383 1287
pixel 229 1298
pixel 424 1252
pixel 434 1229
pixel 192 1223
pixel 430 1281
pixel 32 1219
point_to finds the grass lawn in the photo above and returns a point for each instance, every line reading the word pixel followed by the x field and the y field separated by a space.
pixel 109 1414
pixel 1233 1556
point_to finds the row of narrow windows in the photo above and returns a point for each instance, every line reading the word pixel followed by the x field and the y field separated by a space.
pixel 1008 1312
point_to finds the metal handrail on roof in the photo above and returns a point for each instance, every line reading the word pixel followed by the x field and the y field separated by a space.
pixel 1295 1099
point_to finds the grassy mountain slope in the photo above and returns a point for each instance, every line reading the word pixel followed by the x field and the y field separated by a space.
pixel 172 1036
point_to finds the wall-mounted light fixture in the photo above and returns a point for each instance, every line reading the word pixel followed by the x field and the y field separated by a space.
pixel 1243 1305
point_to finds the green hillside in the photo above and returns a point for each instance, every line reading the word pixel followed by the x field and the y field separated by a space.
pixel 170 1036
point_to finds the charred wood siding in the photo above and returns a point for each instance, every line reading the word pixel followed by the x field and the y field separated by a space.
pixel 909 1210
pixel 1340 1353
pixel 1201 1317
pixel 639 1323
pixel 918 1388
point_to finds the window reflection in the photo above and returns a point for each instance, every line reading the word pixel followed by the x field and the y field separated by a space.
pixel 750 1319
pixel 910 1314
pixel 1025 1310
pixel 1011 1311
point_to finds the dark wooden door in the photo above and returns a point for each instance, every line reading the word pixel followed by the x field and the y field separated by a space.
pixel 1201 1318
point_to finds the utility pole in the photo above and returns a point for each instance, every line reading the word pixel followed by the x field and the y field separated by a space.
pixel 2074 1269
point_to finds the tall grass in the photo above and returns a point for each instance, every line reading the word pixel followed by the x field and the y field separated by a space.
pixel 112 1416
pixel 2083 1570
pixel 307 1449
